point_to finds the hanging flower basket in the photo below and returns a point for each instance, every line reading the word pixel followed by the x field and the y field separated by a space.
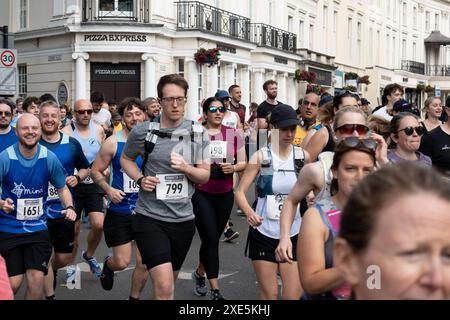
pixel 303 75
pixel 207 56
pixel 351 76
pixel 429 89
pixel 364 80
pixel 420 87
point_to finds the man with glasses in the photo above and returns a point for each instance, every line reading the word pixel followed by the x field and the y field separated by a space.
pixel 88 195
pixel 308 123
pixel 7 134
pixel 176 155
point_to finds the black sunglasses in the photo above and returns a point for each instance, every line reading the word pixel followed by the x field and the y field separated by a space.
pixel 410 130
pixel 214 109
pixel 353 142
pixel 6 113
pixel 88 111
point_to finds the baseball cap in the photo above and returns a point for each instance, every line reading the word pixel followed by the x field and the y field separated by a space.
pixel 221 94
pixel 402 106
pixel 283 116
pixel 364 101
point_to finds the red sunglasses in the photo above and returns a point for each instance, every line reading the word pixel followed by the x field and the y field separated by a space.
pixel 350 128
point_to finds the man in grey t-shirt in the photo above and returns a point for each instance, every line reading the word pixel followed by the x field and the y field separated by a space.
pixel 164 222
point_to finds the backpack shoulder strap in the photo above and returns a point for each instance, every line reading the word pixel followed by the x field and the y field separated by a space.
pixel 299 158
pixel 266 157
pixel 150 142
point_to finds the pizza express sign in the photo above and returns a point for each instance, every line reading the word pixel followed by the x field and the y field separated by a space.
pixel 115 38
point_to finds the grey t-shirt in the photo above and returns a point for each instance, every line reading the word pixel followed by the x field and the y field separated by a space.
pixel 159 163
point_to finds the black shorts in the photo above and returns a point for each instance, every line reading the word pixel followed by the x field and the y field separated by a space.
pixel 62 234
pixel 161 242
pixel 25 251
pixel 262 247
pixel 89 202
pixel 117 228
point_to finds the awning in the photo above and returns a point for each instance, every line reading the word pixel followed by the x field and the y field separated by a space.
pixel 436 37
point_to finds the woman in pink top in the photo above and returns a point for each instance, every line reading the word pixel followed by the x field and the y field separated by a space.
pixel 212 202
pixel 353 159
pixel 5 287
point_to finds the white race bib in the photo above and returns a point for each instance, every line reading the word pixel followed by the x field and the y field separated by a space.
pixel 274 204
pixel 172 187
pixel 29 209
pixel 218 149
pixel 52 192
pixel 129 185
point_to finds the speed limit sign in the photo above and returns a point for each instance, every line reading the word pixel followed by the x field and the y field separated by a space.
pixel 7 58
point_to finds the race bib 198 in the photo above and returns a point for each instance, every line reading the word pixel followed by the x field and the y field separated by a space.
pixel 29 209
pixel 129 185
pixel 172 187
pixel 52 192
pixel 218 149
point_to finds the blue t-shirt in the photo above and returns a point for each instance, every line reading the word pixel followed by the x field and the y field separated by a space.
pixel 7 139
pixel 69 152
pixel 25 181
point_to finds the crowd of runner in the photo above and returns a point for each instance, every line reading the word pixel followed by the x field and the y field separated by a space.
pixel 341 189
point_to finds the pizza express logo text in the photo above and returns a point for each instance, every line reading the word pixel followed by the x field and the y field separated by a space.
pixel 115 37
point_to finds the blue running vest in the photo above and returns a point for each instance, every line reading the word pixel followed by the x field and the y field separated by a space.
pixel 27 187
pixel 63 152
pixel 90 145
pixel 121 181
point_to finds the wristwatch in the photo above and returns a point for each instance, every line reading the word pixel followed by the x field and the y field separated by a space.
pixel 70 207
pixel 139 181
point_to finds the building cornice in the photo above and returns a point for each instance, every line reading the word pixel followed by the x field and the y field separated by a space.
pixel 40 33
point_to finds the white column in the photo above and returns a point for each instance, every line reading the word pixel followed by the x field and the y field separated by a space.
pixel 245 89
pixel 192 110
pixel 213 80
pixel 149 75
pixel 258 92
pixel 292 92
pixel 229 76
pixel 80 74
pixel 282 89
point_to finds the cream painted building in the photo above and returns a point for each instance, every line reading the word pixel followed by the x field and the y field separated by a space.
pixel 122 47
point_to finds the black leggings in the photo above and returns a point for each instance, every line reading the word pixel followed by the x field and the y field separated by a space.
pixel 212 212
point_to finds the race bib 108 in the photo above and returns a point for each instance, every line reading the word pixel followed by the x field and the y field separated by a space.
pixel 129 185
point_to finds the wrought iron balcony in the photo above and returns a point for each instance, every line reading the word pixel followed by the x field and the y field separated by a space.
pixel 438 71
pixel 413 66
pixel 116 10
pixel 268 36
pixel 194 15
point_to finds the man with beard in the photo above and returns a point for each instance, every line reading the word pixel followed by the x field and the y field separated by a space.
pixel 308 124
pixel 235 103
pixel 265 108
pixel 69 152
pixel 7 134
pixel 88 195
pixel 26 169
pixel 122 193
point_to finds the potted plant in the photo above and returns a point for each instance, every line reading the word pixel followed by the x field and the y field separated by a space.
pixel 209 56
pixel 420 87
pixel 303 75
pixel 350 88
pixel 364 80
pixel 351 76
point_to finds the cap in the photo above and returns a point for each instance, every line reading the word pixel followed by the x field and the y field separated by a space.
pixel 324 99
pixel 364 101
pixel 221 94
pixel 283 116
pixel 402 106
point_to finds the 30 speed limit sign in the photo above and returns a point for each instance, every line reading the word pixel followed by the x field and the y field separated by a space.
pixel 7 58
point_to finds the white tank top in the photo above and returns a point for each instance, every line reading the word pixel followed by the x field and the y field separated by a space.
pixel 282 184
pixel 232 120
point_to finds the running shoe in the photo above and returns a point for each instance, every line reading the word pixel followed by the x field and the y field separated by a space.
pixel 215 295
pixel 93 265
pixel 200 284
pixel 230 235
pixel 71 274
pixel 107 277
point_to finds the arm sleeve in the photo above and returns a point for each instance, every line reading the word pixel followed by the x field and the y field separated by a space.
pixel 4 165
pixel 134 146
pixel 79 158
pixel 56 171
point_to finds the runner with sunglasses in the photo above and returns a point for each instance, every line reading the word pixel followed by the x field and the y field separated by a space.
pixel 353 159
pixel 317 176
pixel 406 134
pixel 213 201
pixel 88 195
pixel 323 140
pixel 7 133
pixel 274 169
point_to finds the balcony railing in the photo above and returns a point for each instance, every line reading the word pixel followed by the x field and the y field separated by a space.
pixel 438 71
pixel 194 15
pixel 413 66
pixel 126 10
pixel 268 36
